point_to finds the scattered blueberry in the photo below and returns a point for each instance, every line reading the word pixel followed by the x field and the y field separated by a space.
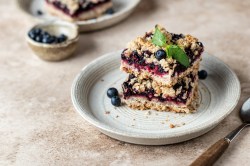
pixel 39 12
pixel 160 54
pixel 112 92
pixel 202 74
pixel 41 36
pixel 116 101
pixel 110 11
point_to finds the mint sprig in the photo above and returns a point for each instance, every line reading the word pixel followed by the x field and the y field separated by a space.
pixel 159 38
pixel 173 51
pixel 177 53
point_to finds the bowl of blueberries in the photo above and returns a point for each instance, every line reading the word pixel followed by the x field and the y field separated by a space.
pixel 53 41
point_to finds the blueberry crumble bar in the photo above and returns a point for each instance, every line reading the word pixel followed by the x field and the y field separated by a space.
pixel 141 57
pixel 147 94
pixel 163 71
pixel 77 10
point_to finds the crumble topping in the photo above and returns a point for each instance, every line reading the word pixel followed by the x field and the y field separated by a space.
pixel 144 47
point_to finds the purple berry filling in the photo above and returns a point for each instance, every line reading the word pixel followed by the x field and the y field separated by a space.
pixel 81 9
pixel 128 91
pixel 138 61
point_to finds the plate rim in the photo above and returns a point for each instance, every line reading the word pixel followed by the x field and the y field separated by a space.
pixel 87 22
pixel 112 130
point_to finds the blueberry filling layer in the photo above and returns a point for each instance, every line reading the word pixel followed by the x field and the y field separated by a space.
pixel 139 62
pixel 128 91
pixel 87 7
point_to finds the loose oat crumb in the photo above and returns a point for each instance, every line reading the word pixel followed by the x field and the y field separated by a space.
pixel 148 113
pixel 156 113
pixel 171 125
pixel 162 123
pixel 107 112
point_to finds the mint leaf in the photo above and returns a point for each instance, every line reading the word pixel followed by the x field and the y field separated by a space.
pixel 168 51
pixel 177 53
pixel 159 39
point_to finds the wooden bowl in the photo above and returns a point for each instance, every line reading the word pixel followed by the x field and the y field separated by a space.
pixel 57 51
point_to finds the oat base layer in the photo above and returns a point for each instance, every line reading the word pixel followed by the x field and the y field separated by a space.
pixel 141 103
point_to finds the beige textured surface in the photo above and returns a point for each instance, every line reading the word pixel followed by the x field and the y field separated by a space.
pixel 38 124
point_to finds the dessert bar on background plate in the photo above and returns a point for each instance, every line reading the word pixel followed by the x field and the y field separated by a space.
pixel 78 10
pixel 123 8
pixel 219 94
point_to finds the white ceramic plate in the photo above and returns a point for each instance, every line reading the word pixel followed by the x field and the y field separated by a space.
pixel 122 10
pixel 219 94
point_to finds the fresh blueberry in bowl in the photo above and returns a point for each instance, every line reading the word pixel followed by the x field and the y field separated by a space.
pixel 202 74
pixel 61 38
pixel 112 92
pixel 37 31
pixel 160 54
pixel 53 41
pixel 116 101
pixel 42 36
pixel 39 38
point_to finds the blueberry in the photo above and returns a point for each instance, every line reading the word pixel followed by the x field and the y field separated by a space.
pixel 52 39
pixel 200 44
pixel 37 31
pixel 116 101
pixel 110 11
pixel 39 38
pixel 32 35
pixel 112 92
pixel 160 69
pixel 61 38
pixel 202 74
pixel 151 66
pixel 44 33
pixel 39 12
pixel 46 39
pixel 160 54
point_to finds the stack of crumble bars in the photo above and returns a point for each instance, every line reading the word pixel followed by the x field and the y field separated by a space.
pixel 162 85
